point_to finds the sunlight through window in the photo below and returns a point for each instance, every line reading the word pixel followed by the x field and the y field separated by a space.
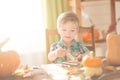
pixel 21 21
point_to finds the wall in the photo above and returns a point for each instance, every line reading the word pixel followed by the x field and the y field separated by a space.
pixel 99 13
pixel 118 16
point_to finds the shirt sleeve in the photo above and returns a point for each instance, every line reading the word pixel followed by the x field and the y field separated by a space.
pixel 53 46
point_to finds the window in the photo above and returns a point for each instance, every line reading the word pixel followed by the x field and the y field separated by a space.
pixel 22 22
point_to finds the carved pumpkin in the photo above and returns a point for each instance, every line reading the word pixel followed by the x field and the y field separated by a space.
pixel 113 49
pixel 9 61
pixel 91 60
pixel 87 37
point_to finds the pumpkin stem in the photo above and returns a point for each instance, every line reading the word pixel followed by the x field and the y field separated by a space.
pixel 92 54
pixel 3 43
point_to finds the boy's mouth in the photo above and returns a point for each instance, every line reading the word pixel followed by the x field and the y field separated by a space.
pixel 67 37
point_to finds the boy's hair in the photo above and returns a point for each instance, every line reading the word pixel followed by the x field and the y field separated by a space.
pixel 67 16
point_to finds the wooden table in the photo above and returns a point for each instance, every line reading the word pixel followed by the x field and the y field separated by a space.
pixel 58 72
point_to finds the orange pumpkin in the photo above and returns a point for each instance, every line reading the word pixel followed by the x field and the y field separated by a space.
pixel 9 61
pixel 87 37
pixel 113 48
pixel 91 61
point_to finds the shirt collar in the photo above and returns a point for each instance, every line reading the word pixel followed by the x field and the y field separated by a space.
pixel 61 43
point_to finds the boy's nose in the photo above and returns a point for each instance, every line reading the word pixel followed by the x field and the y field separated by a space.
pixel 67 32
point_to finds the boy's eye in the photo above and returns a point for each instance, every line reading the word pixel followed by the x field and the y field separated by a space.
pixel 72 30
pixel 63 30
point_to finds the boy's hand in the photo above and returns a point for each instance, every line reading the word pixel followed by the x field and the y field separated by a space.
pixel 61 52
pixel 79 58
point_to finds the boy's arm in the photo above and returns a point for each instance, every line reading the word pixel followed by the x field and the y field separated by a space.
pixel 52 55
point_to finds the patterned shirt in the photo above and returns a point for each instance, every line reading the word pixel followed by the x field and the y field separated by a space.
pixel 75 49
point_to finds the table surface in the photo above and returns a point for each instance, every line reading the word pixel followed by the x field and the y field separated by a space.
pixel 59 72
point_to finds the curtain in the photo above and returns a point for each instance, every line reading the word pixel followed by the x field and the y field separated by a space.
pixel 52 10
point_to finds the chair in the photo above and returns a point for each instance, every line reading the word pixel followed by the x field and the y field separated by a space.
pixel 49 34
pixel 82 30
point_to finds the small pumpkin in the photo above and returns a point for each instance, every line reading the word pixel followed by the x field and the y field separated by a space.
pixel 92 65
pixel 87 37
pixel 113 48
pixel 9 61
pixel 91 60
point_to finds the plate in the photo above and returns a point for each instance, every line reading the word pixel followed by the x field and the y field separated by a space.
pixel 71 63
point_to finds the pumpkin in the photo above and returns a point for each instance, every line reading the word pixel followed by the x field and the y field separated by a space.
pixel 92 65
pixel 9 61
pixel 113 48
pixel 91 60
pixel 87 37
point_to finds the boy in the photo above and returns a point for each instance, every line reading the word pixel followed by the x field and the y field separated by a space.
pixel 67 48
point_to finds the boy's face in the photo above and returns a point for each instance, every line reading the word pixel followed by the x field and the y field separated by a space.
pixel 68 31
